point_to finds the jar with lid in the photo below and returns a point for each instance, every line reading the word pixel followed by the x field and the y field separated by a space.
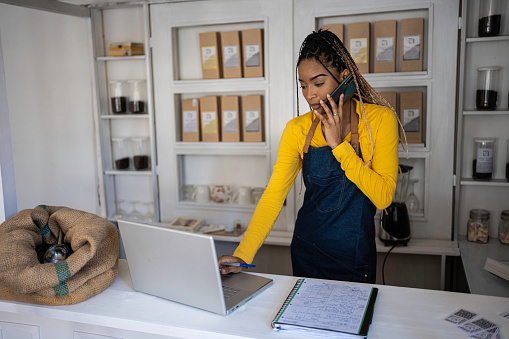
pixel 118 97
pixel 503 227
pixel 483 163
pixel 478 226
pixel 137 96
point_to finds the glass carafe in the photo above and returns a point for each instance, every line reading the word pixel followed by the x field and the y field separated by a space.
pixel 141 159
pixel 411 201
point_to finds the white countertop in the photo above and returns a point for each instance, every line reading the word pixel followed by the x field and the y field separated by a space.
pixel 399 312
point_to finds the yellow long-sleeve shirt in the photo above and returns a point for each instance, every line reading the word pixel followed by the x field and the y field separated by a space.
pixel 377 180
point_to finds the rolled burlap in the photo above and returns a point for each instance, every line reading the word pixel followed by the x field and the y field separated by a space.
pixel 89 270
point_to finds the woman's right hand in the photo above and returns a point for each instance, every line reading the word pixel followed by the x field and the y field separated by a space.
pixel 229 269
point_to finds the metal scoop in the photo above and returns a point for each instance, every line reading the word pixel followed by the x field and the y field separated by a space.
pixel 58 252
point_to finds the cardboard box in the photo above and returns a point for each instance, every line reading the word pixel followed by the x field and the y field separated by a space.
pixel 210 55
pixel 411 44
pixel 252 118
pixel 337 29
pixel 391 98
pixel 210 118
pixel 359 44
pixel 117 49
pixel 230 119
pixel 410 105
pixel 232 54
pixel 385 46
pixel 191 120
pixel 252 53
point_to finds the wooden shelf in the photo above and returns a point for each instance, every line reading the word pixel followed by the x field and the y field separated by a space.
pixel 125 58
pixel 492 182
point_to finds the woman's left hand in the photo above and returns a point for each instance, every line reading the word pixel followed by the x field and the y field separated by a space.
pixel 332 121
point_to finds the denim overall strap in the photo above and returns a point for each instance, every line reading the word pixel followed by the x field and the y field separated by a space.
pixel 334 235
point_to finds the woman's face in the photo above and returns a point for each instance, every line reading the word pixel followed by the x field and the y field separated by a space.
pixel 316 82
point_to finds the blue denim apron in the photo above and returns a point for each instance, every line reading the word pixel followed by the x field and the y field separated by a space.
pixel 334 236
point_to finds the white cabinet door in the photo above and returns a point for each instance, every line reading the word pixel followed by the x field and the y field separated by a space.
pixel 18 331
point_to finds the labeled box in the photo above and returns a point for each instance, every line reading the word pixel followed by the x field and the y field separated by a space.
pixel 230 119
pixel 411 44
pixel 210 55
pixel 385 46
pixel 231 49
pixel 391 98
pixel 252 53
pixel 337 29
pixel 117 49
pixel 252 116
pixel 358 44
pixel 191 120
pixel 410 105
pixel 210 118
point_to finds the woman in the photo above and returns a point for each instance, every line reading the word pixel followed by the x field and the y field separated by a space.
pixel 349 160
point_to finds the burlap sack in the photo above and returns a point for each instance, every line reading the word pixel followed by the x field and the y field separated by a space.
pixel 89 270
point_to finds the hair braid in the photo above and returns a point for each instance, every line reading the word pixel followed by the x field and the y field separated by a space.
pixel 335 55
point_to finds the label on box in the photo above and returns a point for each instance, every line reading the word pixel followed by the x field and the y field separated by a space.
pixel 412 47
pixel 209 57
pixel 385 49
pixel 252 121
pixel 231 57
pixel 358 50
pixel 230 121
pixel 252 54
pixel 209 122
pixel 411 120
pixel 190 118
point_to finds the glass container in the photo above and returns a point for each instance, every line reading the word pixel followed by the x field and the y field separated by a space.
pixel 118 97
pixel 478 226
pixel 503 227
pixel 483 163
pixel 121 153
pixel 137 96
pixel 490 16
pixel 488 82
pixel 141 158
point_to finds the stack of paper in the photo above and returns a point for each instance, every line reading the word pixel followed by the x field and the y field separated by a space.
pixel 498 267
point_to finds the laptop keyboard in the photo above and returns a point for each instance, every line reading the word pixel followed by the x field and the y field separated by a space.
pixel 229 291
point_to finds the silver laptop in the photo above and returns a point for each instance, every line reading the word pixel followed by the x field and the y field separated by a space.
pixel 182 267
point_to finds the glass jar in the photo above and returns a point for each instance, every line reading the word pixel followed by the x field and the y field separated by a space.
pixel 118 97
pixel 483 164
pixel 141 159
pixel 488 82
pixel 137 96
pixel 503 227
pixel 490 15
pixel 478 226
pixel 121 153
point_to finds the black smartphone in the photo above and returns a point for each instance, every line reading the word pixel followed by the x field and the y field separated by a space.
pixel 347 87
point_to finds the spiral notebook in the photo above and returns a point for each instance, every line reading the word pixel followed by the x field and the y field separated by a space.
pixel 329 309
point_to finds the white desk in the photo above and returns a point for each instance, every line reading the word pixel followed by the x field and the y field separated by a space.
pixel 120 312
pixel 474 256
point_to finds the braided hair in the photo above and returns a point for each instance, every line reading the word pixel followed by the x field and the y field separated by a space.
pixel 325 47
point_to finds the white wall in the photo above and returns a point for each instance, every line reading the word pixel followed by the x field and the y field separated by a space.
pixel 49 92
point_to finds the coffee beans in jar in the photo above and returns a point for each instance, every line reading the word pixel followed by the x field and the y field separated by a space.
pixel 503 227
pixel 478 226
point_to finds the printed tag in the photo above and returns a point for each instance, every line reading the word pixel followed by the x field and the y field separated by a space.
pixel 411 47
pixel 231 56
pixel 359 50
pixel 252 55
pixel 209 122
pixel 190 119
pixel 460 316
pixel 230 121
pixel 209 59
pixel 385 49
pixel 411 120
pixel 252 121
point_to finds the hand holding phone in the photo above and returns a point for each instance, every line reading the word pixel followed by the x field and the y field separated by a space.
pixel 347 87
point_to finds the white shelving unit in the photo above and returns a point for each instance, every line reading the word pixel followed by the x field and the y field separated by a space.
pixel 471 123
pixel 120 23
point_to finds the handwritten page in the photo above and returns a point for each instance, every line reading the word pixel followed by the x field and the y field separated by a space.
pixel 325 305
